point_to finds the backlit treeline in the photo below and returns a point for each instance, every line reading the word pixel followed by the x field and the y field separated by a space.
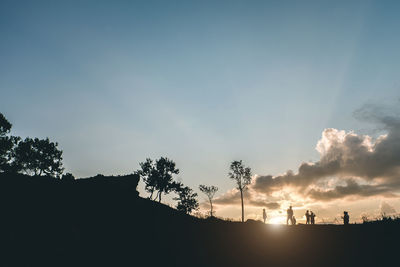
pixel 37 157
pixel 158 177
pixel 31 156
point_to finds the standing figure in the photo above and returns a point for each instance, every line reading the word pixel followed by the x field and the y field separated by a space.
pixel 293 220
pixel 264 215
pixel 289 215
pixel 307 217
pixel 312 215
pixel 346 218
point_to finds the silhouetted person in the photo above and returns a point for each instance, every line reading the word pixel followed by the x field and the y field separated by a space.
pixel 293 220
pixel 307 217
pixel 346 218
pixel 264 215
pixel 289 215
pixel 312 215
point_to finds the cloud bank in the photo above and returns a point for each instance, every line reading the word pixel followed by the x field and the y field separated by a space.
pixel 232 197
pixel 350 166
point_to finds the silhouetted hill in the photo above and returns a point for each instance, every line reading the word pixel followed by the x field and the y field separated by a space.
pixel 101 221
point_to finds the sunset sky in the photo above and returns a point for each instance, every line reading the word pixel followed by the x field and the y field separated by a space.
pixel 306 93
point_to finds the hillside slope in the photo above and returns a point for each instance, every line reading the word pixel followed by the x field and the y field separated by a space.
pixel 103 221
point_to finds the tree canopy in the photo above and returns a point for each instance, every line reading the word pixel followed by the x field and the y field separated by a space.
pixel 158 176
pixel 31 156
pixel 149 175
pixel 39 157
pixel 187 201
pixel 7 145
pixel 5 125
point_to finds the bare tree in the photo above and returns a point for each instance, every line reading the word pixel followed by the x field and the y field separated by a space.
pixel 210 192
pixel 242 177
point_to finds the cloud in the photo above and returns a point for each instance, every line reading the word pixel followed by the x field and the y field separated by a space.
pixel 344 155
pixel 232 197
pixel 229 198
pixel 387 209
pixel 351 166
pixel 351 188
pixel 265 204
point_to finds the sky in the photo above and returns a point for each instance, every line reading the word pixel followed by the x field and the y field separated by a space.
pixel 282 85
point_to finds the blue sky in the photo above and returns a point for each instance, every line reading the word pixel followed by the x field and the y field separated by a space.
pixel 202 82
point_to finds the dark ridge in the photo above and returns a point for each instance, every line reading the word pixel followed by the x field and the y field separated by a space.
pixel 101 221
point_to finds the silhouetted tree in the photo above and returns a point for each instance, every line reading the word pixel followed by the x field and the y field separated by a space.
pixel 39 157
pixel 187 201
pixel 242 177
pixel 210 192
pixel 67 177
pixel 7 146
pixel 5 125
pixel 158 176
pixel 149 175
pixel 165 169
pixel 5 142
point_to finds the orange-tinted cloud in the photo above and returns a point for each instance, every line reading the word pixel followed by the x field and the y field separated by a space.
pixel 233 198
pixel 350 165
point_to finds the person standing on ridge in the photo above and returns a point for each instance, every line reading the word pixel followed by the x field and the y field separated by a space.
pixel 312 215
pixel 289 215
pixel 307 217
pixel 264 215
pixel 346 218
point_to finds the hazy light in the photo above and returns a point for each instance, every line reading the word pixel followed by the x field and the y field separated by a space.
pixel 277 220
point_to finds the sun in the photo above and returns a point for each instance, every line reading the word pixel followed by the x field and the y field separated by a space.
pixel 277 220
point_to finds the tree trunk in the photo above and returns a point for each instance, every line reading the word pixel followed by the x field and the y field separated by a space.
pixel 211 213
pixel 159 197
pixel 241 196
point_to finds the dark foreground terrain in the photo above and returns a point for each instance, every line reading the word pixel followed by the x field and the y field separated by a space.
pixel 101 221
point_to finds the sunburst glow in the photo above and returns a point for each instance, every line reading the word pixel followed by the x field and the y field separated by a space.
pixel 277 220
